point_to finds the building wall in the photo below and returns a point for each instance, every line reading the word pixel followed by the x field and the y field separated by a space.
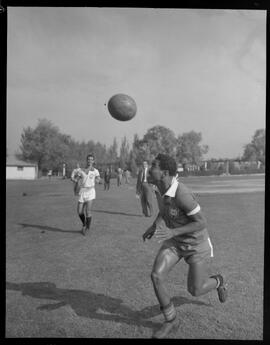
pixel 21 172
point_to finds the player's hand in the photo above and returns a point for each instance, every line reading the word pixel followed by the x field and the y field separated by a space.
pixel 163 233
pixel 149 233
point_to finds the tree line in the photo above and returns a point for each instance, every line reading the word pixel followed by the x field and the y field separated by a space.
pixel 50 148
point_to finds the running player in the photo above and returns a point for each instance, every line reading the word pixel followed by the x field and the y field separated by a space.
pixel 181 226
pixel 85 188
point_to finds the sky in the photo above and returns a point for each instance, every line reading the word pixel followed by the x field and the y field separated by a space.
pixel 187 69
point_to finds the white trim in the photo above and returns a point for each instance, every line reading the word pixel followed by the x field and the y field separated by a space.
pixel 211 246
pixel 194 211
pixel 173 187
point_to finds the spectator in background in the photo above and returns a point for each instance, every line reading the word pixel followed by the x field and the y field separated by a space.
pixel 127 176
pixel 144 190
pixel 119 176
pixel 107 178
pixel 49 174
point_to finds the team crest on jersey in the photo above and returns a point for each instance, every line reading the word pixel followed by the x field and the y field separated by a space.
pixel 173 212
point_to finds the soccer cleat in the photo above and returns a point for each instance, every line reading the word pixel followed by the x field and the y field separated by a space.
pixel 221 289
pixel 84 230
pixel 167 328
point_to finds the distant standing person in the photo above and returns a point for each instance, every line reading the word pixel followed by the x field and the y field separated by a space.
pixel 127 176
pixel 181 227
pixel 50 174
pixel 119 176
pixel 144 190
pixel 85 180
pixel 107 179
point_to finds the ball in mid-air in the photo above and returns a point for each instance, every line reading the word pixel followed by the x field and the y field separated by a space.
pixel 122 107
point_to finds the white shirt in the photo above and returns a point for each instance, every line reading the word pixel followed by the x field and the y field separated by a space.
pixel 145 175
pixel 88 179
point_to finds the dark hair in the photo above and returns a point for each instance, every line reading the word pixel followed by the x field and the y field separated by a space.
pixel 167 163
pixel 90 155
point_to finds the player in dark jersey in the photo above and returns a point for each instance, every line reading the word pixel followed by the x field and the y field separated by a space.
pixel 181 226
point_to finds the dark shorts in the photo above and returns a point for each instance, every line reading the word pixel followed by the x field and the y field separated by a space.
pixel 191 253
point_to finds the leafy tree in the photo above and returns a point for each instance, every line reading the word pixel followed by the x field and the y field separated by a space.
pixel 100 153
pixel 124 153
pixel 138 150
pixel 132 163
pixel 160 140
pixel 43 145
pixel 189 149
pixel 157 139
pixel 255 151
pixel 143 152
pixel 112 152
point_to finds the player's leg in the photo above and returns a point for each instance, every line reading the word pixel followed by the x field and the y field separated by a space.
pixel 199 283
pixel 88 205
pixel 81 214
pixel 148 197
pixel 165 260
pixel 144 199
pixel 143 204
pixel 80 210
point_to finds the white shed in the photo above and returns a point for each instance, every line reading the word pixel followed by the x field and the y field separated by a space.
pixel 19 170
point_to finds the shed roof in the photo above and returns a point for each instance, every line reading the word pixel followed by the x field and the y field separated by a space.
pixel 13 161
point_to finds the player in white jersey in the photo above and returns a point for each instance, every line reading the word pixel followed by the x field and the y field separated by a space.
pixel 84 187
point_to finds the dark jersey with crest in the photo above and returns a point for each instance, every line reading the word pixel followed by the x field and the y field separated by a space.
pixel 176 209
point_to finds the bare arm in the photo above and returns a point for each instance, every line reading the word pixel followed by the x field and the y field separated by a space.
pixel 198 223
pixel 97 177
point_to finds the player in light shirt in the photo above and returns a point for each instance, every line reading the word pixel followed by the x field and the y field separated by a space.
pixel 181 226
pixel 84 187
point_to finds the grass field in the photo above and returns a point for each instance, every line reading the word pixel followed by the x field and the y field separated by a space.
pixel 60 284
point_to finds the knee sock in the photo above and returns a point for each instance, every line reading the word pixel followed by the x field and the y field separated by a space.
pixel 82 217
pixel 217 279
pixel 169 312
pixel 88 222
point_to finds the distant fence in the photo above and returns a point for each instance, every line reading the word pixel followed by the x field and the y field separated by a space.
pixel 218 172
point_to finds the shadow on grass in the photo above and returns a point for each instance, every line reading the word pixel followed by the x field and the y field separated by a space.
pixel 92 305
pixel 120 213
pixel 47 228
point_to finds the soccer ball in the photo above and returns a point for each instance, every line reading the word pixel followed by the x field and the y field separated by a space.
pixel 122 107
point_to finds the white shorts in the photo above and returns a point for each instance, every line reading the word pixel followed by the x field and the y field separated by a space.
pixel 87 194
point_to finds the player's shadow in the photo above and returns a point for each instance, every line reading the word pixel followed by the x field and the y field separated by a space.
pixel 47 228
pixel 120 213
pixel 93 305
pixel 84 303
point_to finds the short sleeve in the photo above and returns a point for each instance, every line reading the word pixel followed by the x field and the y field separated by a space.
pixel 187 201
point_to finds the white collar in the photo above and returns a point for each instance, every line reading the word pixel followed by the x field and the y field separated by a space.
pixel 173 187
